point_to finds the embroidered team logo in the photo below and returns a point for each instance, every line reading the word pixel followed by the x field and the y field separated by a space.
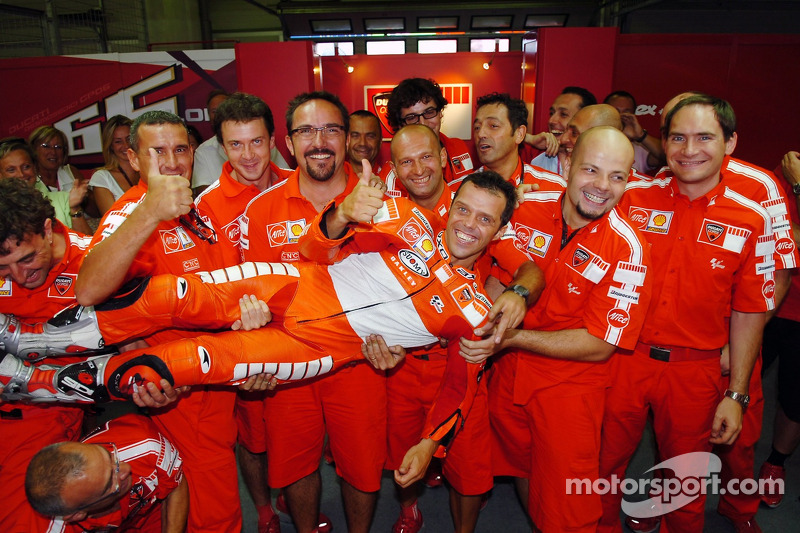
pixel 725 236
pixel 618 318
pixel 233 232
pixel 462 162
pixel 175 240
pixel 474 309
pixel 62 284
pixel 650 220
pixel 62 287
pixel 413 262
pixel 437 303
pixel 6 287
pixel 784 246
pixel 579 257
pixel 286 232
pixel 411 232
pixel 768 289
pixel 464 296
pixel 714 231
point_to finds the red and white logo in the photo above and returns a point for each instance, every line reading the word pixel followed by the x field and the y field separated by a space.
pixel 768 289
pixel 784 246
pixel 191 264
pixel 714 231
pixel 639 217
pixel 286 232
pixel 579 257
pixel 411 232
pixel 618 318
pixel 62 284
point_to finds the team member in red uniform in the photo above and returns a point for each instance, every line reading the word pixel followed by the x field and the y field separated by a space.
pixel 570 101
pixel 498 130
pixel 420 101
pixel 597 292
pixel 738 459
pixel 712 257
pixel 418 160
pixel 39 261
pixel 245 130
pixel 350 404
pixel 125 475
pixel 364 140
pixel 147 232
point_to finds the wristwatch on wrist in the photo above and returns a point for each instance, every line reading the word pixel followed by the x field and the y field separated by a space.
pixel 77 214
pixel 796 189
pixel 642 138
pixel 743 399
pixel 519 289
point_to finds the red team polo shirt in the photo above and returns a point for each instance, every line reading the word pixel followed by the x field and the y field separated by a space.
pixel 712 254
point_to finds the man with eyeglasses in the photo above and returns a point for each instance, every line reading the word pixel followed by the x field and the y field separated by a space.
pixel 125 475
pixel 154 229
pixel 420 101
pixel 350 405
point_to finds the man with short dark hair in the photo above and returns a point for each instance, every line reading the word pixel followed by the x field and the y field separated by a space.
pixel 364 141
pixel 571 100
pixel 39 261
pixel 152 229
pixel 124 475
pixel 349 403
pixel 244 128
pixel 498 130
pixel 696 221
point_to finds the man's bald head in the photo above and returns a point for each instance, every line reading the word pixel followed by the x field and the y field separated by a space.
pixel 607 138
pixel 413 133
pixel 589 117
pixel 674 101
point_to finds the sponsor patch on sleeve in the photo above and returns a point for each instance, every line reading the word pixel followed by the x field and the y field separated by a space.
pixel 623 295
pixel 630 273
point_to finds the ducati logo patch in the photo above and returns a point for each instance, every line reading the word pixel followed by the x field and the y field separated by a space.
pixel 713 231
pixel 62 284
pixel 579 257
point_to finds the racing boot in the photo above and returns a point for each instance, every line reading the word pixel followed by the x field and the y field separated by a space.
pixel 99 379
pixel 73 330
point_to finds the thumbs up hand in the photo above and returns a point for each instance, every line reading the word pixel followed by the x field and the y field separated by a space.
pixel 360 205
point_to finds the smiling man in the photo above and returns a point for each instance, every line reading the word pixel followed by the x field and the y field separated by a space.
pixel 147 232
pixel 594 302
pixel 713 252
pixel 364 141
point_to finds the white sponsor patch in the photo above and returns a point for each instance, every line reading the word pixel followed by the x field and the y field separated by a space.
pixel 765 246
pixel 630 273
pixel 622 294
pixel 413 262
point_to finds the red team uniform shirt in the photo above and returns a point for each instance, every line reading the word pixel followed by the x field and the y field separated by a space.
pixel 156 470
pixel 28 428
pixel 201 423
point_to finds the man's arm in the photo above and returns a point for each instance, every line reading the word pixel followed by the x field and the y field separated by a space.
pixel 175 509
pixel 569 344
pixel 509 308
pixel 745 342
pixel 415 463
pixel 106 265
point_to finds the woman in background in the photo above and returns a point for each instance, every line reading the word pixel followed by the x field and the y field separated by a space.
pixel 117 176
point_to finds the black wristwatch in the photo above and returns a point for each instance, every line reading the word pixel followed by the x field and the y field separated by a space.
pixel 519 289
pixel 796 189
pixel 743 399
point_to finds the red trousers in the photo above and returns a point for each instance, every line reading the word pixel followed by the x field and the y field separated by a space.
pixel 683 397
